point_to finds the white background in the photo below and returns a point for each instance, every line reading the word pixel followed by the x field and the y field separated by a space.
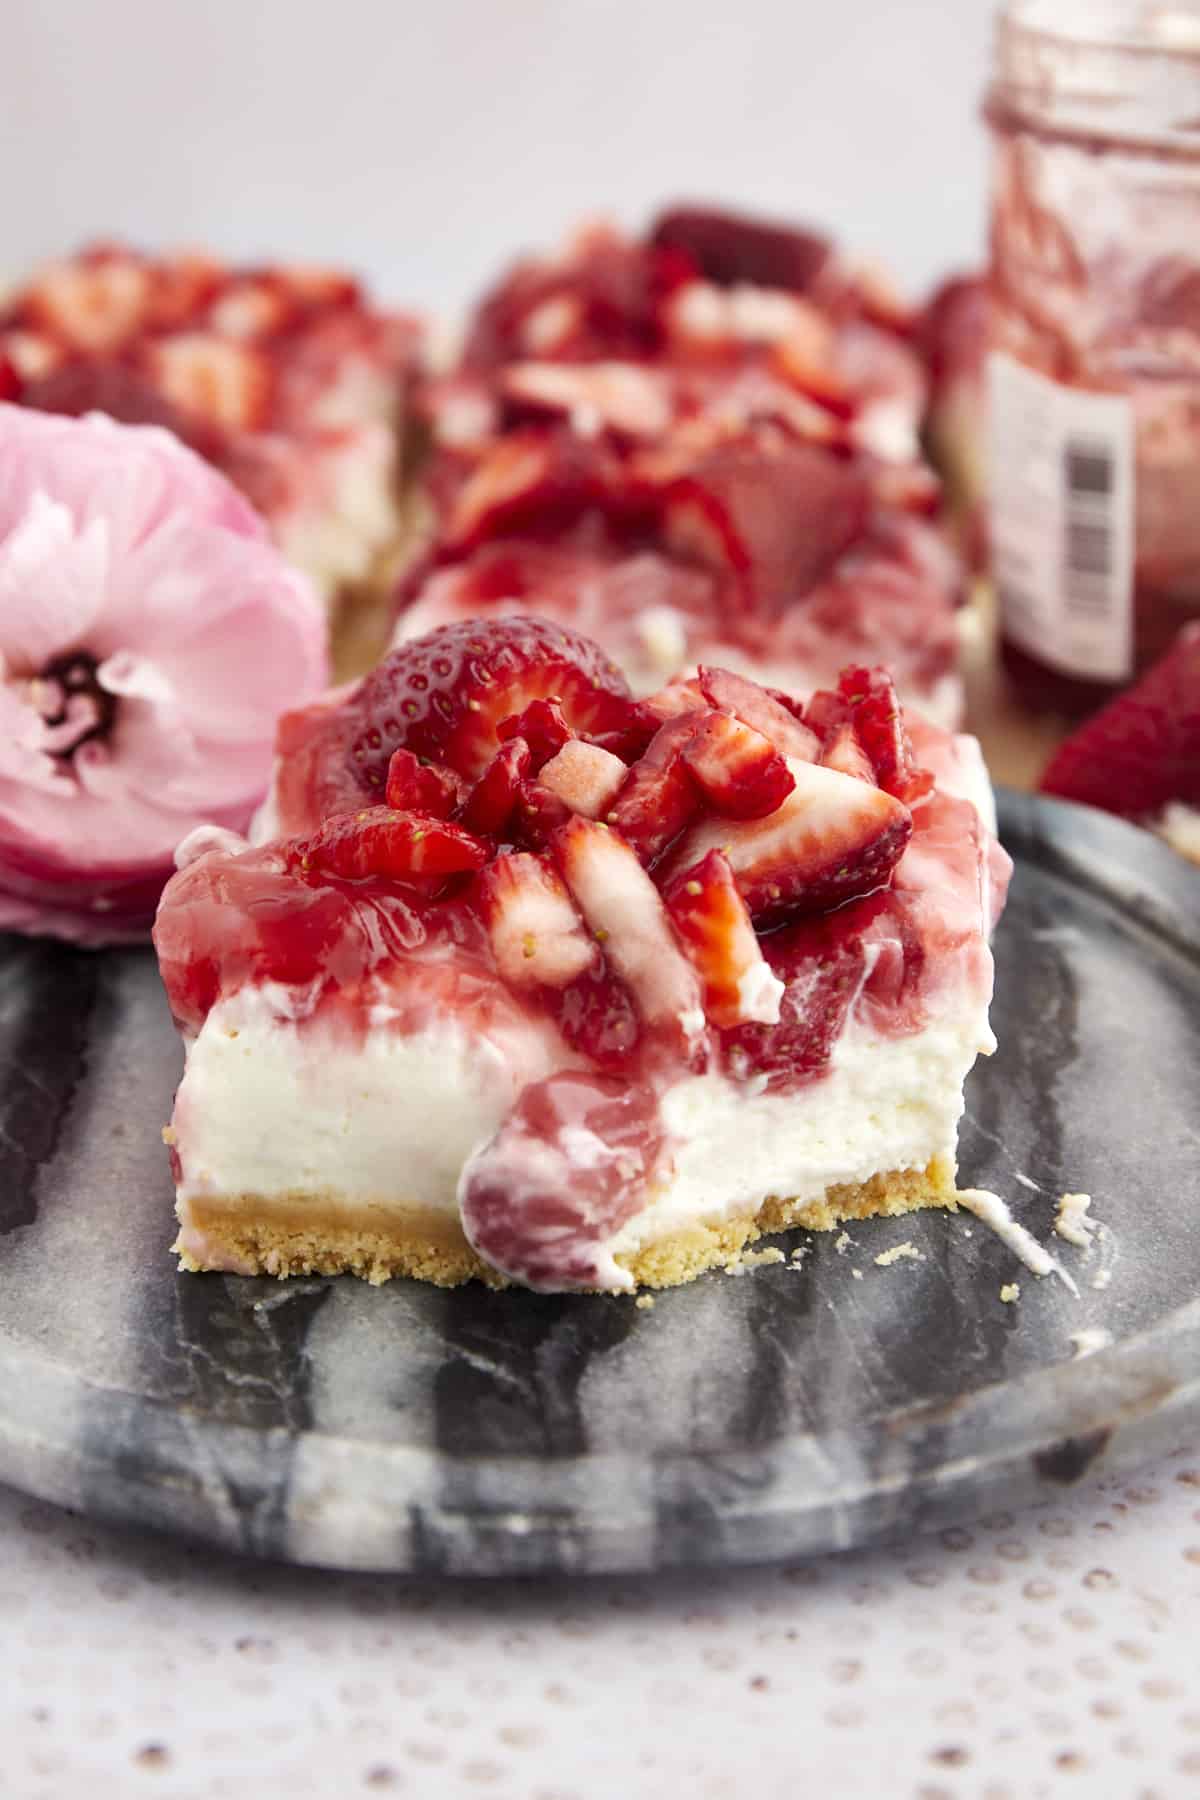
pixel 424 143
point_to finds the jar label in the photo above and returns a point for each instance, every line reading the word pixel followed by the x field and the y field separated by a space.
pixel 1061 473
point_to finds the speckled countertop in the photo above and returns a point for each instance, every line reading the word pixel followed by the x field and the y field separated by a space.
pixel 1048 1654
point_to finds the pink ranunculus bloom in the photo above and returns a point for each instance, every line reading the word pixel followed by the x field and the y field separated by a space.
pixel 150 636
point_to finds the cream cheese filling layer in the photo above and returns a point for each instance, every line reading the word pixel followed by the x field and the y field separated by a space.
pixel 271 1106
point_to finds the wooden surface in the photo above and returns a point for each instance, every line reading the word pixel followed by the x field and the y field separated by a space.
pixel 1016 743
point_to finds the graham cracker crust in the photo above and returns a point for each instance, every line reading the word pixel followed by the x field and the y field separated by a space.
pixel 291 1235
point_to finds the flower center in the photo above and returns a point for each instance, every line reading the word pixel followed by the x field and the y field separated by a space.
pixel 73 705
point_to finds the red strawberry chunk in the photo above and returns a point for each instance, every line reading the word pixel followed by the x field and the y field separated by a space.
pixel 739 771
pixel 377 841
pixel 493 799
pixel 728 248
pixel 879 726
pixel 821 963
pixel 537 935
pixel 585 777
pixel 444 696
pixel 530 478
pixel 772 513
pixel 413 786
pixel 543 728
pixel 625 913
pixel 844 753
pixel 715 929
pixel 570 1164
pixel 597 1017
pixel 539 814
pixel 755 707
pixel 659 796
pixel 832 840
pixel 621 397
pixel 1142 750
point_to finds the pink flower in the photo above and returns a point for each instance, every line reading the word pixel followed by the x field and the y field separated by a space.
pixel 149 638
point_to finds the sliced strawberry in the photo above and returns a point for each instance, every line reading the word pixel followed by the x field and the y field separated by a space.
pixel 728 248
pixel 772 513
pixel 738 770
pixel 493 799
pixel 444 695
pixel 570 1164
pixel 378 841
pixel 597 1017
pixel 659 796
pixel 538 937
pixel 879 726
pixel 543 728
pixel 832 840
pixel 225 383
pixel 844 753
pixel 1142 750
pixel 625 398
pixel 715 929
pixel 530 478
pixel 585 777
pixel 625 913
pixel 682 695
pixel 413 786
pixel 539 814
pixel 95 304
pixel 755 707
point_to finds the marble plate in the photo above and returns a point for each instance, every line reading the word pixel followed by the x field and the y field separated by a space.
pixel 782 1411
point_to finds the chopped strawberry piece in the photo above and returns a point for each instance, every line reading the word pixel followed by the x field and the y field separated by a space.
pixel 597 1016
pixel 585 777
pixel 493 799
pixel 225 383
pixel 624 910
pixel 822 964
pixel 1142 750
pixel 715 929
pixel 538 937
pixel 832 840
pixel 413 786
pixel 543 728
pixel 532 478
pixel 682 695
pixel 621 397
pixel 378 841
pixel 570 1164
pixel 879 726
pixel 95 304
pixel 773 514
pixel 759 709
pixel 444 696
pixel 845 754
pixel 728 248
pixel 738 770
pixel 538 815
pixel 659 796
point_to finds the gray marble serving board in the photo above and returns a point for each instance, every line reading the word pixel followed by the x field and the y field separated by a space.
pixel 781 1411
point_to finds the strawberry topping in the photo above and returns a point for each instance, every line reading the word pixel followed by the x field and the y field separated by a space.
pixel 737 769
pixel 414 786
pixel 717 934
pixel 492 801
pixel 405 846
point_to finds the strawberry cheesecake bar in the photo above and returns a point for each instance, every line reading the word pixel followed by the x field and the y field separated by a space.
pixel 535 982
pixel 697 446
pixel 287 379
pixel 1139 756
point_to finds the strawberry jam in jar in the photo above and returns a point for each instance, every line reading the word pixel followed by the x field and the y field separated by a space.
pixel 1094 365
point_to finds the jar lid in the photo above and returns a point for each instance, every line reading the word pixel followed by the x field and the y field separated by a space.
pixel 1110 71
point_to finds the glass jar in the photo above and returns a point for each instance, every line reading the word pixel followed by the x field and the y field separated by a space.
pixel 1094 365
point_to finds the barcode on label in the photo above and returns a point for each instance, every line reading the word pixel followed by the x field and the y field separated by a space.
pixel 1087 527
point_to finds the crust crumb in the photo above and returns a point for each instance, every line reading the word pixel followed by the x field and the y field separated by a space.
pixel 1010 1291
pixel 907 1251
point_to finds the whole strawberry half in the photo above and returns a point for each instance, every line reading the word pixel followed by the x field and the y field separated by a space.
pixel 1142 750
